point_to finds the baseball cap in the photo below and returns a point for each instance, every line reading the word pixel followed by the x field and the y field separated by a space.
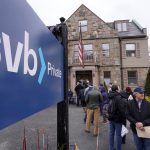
pixel 138 90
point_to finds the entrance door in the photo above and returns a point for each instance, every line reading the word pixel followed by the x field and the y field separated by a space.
pixel 84 75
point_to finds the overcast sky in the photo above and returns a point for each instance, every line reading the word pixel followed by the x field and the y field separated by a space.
pixel 109 10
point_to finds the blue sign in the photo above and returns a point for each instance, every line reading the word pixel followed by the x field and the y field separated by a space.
pixel 31 63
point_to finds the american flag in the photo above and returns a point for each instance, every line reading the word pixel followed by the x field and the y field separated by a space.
pixel 80 46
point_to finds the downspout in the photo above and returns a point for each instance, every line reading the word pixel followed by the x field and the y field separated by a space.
pixel 121 66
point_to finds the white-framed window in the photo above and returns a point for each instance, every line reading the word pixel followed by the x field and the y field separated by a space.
pixel 107 77
pixel 130 50
pixel 87 52
pixel 105 49
pixel 76 53
pixel 83 24
pixel 132 77
pixel 122 26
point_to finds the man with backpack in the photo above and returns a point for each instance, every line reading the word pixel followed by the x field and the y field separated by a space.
pixel 116 115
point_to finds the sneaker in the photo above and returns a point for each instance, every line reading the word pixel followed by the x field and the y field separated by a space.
pixel 87 131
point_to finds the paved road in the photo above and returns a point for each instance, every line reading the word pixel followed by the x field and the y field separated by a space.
pixel 86 141
pixel 11 137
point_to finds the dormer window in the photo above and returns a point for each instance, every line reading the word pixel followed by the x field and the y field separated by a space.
pixel 122 26
pixel 83 24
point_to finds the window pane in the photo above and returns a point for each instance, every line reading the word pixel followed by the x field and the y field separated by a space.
pixel 130 53
pixel 119 26
pixel 84 28
pixel 105 50
pixel 130 50
pixel 83 24
pixel 76 48
pixel 130 47
pixel 124 25
pixel 105 46
pixel 106 53
pixel 76 54
pixel 107 77
pixel 132 77
pixel 88 47
pixel 106 74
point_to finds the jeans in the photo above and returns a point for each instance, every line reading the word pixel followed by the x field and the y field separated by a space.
pixel 115 128
pixel 141 143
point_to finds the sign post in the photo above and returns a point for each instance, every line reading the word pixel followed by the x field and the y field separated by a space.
pixel 62 107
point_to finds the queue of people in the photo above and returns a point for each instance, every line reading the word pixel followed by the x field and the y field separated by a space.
pixel 116 107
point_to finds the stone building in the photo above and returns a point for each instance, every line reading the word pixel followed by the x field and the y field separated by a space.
pixel 114 52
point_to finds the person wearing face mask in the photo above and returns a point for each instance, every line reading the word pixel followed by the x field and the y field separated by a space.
pixel 138 114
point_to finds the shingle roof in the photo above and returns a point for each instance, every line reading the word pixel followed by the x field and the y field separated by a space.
pixel 133 30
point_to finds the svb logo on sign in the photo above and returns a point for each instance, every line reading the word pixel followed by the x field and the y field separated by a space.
pixel 31 63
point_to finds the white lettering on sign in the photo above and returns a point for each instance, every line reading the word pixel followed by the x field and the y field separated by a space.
pixel 12 67
pixel 12 64
pixel 53 71
pixel 27 53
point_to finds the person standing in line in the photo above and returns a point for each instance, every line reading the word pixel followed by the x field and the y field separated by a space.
pixel 124 98
pixel 129 93
pixel 88 88
pixel 101 88
pixel 138 114
pixel 77 89
pixel 82 98
pixel 70 94
pixel 104 102
pixel 116 117
pixel 93 99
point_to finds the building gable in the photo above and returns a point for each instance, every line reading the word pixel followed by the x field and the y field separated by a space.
pixel 96 27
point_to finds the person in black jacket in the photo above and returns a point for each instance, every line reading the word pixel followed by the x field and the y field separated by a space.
pixel 116 119
pixel 124 98
pixel 77 89
pixel 138 113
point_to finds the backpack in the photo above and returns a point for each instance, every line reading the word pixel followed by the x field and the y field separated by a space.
pixel 112 108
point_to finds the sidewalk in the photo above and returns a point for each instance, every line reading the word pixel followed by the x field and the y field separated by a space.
pixel 11 138
pixel 86 141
